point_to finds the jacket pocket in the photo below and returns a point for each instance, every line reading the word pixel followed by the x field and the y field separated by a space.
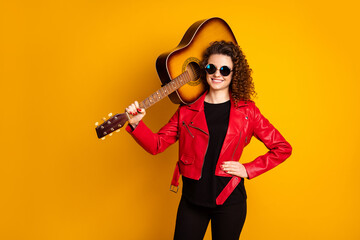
pixel 187 160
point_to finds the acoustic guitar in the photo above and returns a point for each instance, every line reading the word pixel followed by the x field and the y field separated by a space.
pixel 178 70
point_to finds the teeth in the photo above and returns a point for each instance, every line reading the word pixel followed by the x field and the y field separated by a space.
pixel 217 80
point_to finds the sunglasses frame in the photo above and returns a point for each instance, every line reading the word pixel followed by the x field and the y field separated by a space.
pixel 220 69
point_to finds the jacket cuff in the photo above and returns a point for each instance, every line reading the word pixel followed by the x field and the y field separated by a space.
pixel 250 170
pixel 132 130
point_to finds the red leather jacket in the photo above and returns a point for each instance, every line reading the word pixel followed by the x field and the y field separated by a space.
pixel 188 125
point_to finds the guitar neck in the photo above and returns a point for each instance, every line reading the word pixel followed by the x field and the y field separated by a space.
pixel 163 92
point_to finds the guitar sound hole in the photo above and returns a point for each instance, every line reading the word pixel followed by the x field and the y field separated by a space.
pixel 195 73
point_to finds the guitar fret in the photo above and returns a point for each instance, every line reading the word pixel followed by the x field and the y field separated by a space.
pixel 161 90
pixel 169 88
pixel 172 86
pixel 176 83
pixel 156 96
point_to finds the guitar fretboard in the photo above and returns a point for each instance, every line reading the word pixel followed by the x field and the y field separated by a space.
pixel 163 92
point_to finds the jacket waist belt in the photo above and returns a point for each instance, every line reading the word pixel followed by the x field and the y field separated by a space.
pixel 225 193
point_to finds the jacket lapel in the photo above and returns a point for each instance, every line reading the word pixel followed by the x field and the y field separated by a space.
pixel 236 123
pixel 198 120
pixel 236 120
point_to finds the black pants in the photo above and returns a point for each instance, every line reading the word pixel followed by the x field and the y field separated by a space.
pixel 226 221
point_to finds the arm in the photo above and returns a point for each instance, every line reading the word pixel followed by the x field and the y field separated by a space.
pixel 155 143
pixel 279 148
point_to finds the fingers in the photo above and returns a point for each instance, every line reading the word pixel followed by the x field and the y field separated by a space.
pixel 138 109
pixel 230 167
pixel 136 114
pixel 231 164
pixel 134 109
pixel 234 168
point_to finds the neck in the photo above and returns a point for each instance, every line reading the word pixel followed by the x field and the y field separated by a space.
pixel 217 96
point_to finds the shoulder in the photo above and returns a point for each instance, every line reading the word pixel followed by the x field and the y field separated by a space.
pixel 245 103
pixel 249 108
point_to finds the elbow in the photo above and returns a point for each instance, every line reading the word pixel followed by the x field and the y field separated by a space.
pixel 153 152
pixel 287 151
pixel 283 151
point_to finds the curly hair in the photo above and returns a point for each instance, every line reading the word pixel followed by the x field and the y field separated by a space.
pixel 242 85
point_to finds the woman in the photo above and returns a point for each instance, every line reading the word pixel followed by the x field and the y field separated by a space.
pixel 212 133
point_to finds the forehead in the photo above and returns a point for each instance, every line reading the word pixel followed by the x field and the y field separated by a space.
pixel 220 60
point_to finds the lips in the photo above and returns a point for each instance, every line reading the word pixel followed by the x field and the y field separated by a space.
pixel 215 80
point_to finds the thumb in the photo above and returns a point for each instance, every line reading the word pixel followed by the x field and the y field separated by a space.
pixel 141 110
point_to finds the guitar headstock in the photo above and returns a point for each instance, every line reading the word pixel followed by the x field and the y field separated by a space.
pixel 114 123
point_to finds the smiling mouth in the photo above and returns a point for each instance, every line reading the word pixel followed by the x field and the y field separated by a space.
pixel 217 80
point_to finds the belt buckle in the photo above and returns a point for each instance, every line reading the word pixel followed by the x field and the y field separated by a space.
pixel 174 188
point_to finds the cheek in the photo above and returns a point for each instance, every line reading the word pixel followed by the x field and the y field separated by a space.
pixel 229 79
pixel 208 78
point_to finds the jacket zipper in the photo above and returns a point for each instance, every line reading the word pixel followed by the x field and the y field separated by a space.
pixel 232 157
pixel 207 146
pixel 184 124
pixel 198 129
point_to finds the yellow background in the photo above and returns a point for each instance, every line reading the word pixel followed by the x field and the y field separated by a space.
pixel 66 64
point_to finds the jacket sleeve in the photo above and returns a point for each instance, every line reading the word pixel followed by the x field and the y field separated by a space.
pixel 155 143
pixel 279 148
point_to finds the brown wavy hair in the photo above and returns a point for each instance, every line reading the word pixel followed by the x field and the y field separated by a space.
pixel 242 85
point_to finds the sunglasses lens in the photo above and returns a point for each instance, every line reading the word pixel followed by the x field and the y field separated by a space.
pixel 210 68
pixel 225 71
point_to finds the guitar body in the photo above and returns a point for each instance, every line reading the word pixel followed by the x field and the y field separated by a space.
pixel 196 40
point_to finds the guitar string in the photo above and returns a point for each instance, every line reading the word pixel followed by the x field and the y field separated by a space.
pixel 173 85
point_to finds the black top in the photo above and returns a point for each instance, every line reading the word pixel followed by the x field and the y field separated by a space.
pixel 205 190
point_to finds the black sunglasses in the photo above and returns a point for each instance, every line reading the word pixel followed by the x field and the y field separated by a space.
pixel 224 70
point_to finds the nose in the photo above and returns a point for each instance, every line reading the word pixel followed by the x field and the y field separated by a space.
pixel 217 73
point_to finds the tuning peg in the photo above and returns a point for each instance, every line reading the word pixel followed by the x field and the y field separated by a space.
pixel 96 124
pixel 104 119
pixel 117 130
pixel 103 138
pixel 110 134
pixel 110 114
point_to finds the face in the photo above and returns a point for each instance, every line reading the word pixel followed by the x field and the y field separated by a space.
pixel 217 81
